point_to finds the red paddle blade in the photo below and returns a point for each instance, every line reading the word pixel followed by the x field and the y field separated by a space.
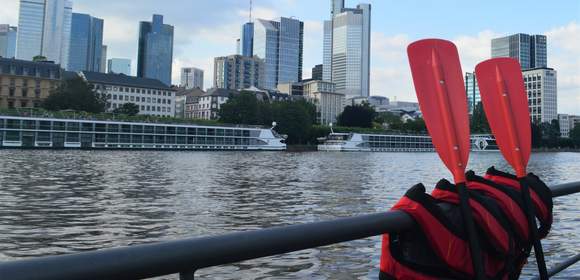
pixel 441 93
pixel 506 106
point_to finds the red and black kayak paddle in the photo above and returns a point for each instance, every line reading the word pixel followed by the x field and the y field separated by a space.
pixel 505 102
pixel 440 90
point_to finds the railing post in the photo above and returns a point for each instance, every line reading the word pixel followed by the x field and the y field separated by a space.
pixel 187 275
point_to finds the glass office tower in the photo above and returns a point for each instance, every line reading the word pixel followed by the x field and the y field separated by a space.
pixel 44 29
pixel 472 91
pixel 86 43
pixel 155 55
pixel 247 39
pixel 529 50
pixel 7 40
pixel 119 66
pixel 280 44
pixel 346 49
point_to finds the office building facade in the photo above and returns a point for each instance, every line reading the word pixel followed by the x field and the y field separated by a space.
pixel 25 84
pixel 529 50
pixel 152 96
pixel 541 86
pixel 238 72
pixel 155 54
pixel 44 28
pixel 346 49
pixel 317 72
pixel 247 39
pixel 329 104
pixel 280 44
pixel 191 77
pixel 472 91
pixel 8 40
pixel 86 43
pixel 104 59
pixel 119 66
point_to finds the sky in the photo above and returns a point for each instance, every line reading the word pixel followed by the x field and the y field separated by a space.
pixel 205 29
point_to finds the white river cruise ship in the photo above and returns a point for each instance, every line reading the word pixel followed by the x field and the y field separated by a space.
pixel 40 132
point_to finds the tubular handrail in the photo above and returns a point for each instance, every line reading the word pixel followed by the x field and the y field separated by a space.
pixel 187 255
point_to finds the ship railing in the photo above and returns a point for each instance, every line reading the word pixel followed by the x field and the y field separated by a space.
pixel 185 256
pixel 145 119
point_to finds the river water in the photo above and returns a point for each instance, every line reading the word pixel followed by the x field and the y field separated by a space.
pixel 56 202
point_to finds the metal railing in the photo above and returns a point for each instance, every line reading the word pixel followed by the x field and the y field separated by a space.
pixel 187 255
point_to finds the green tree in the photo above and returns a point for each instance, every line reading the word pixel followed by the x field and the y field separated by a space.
pixel 575 136
pixel 295 119
pixel 416 126
pixel 479 122
pixel 551 133
pixel 39 58
pixel 536 135
pixel 392 120
pixel 241 109
pixel 130 109
pixel 75 94
pixel 357 116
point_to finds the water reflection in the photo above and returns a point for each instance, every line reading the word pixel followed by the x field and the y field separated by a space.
pixel 54 202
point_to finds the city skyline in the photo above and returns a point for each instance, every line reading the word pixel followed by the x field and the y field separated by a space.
pixel 200 39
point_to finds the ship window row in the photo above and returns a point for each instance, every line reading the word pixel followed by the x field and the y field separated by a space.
pixel 414 145
pixel 124 138
pixel 394 138
pixel 124 128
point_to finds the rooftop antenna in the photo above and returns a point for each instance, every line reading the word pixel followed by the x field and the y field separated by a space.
pixel 250 11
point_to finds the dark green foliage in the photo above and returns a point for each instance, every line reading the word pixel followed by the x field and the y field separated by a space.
pixel 130 109
pixel 550 133
pixel 536 135
pixel 479 122
pixel 575 136
pixel 240 109
pixel 293 118
pixel 75 94
pixel 357 116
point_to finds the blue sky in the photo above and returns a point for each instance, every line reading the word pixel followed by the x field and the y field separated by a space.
pixel 205 29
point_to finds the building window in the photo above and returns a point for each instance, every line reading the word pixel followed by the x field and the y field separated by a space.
pixel 132 98
pixel 37 92
pixel 11 91
pixel 23 103
pixel 24 92
pixel 126 97
pixel 114 97
pixel 142 107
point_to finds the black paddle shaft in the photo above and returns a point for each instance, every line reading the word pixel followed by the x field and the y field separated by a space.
pixel 538 251
pixel 467 215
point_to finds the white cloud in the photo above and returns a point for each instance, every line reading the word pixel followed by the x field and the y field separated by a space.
pixel 474 49
pixel 564 57
pixel 9 12
pixel 259 12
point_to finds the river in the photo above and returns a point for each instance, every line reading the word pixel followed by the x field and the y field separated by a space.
pixel 56 202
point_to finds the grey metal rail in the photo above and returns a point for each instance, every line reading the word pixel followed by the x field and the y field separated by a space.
pixel 187 255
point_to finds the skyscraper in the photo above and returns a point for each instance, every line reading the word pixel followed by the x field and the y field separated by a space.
pixel 317 72
pixel 191 77
pixel 238 72
pixel 280 44
pixel 155 53
pixel 104 59
pixel 472 91
pixel 86 43
pixel 247 39
pixel 529 50
pixel 346 49
pixel 44 28
pixel 541 86
pixel 7 40
pixel 119 66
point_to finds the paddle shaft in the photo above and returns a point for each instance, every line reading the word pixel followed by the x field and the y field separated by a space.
pixel 539 252
pixel 458 167
pixel 520 168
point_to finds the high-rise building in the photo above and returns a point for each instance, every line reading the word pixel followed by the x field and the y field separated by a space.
pixel 472 91
pixel 44 28
pixel 317 72
pixel 119 66
pixel 542 94
pixel 155 55
pixel 191 77
pixel 86 43
pixel 564 121
pixel 247 39
pixel 346 49
pixel 329 104
pixel 104 59
pixel 7 40
pixel 238 72
pixel 280 44
pixel 529 50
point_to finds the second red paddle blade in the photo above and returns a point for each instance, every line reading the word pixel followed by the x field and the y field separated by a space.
pixel 506 106
pixel 438 81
